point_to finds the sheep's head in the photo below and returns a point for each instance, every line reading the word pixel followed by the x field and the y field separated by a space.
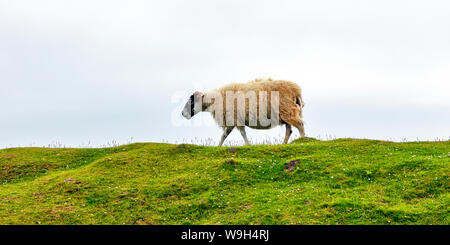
pixel 193 105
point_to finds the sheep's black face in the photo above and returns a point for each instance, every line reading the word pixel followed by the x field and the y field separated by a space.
pixel 193 105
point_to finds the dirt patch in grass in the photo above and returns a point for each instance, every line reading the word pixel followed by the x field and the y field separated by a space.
pixel 9 156
pixel 290 166
pixel 230 162
pixel 38 195
pixel 11 172
pixel 73 181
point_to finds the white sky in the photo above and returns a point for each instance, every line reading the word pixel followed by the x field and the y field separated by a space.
pixel 80 71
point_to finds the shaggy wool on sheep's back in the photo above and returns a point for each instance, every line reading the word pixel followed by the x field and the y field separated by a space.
pixel 289 111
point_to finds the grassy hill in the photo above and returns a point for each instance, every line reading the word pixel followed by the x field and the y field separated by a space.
pixel 344 181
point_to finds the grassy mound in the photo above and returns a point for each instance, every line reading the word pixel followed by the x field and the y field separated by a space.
pixel 344 181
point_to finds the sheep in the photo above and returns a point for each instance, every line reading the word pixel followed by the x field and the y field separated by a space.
pixel 283 98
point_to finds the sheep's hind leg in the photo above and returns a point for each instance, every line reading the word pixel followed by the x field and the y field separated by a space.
pixel 244 135
pixel 226 132
pixel 288 133
pixel 301 128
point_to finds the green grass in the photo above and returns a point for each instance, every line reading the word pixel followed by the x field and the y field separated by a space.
pixel 343 181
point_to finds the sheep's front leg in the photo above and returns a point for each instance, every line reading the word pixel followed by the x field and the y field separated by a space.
pixel 244 135
pixel 225 134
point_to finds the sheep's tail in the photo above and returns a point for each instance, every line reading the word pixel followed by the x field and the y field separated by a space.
pixel 299 102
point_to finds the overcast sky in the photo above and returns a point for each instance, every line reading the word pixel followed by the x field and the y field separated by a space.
pixel 96 71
